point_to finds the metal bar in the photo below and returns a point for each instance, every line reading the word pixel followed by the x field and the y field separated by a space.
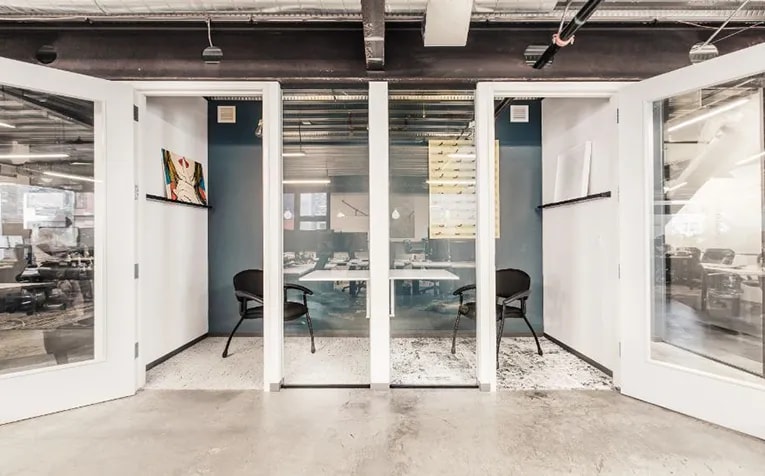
pixel 373 21
pixel 568 31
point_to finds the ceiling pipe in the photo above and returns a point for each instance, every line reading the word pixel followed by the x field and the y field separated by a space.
pixel 566 35
pixel 501 106
pixel 373 21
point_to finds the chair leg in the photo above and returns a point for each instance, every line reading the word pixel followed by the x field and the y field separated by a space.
pixel 454 335
pixel 310 331
pixel 539 347
pixel 500 331
pixel 228 342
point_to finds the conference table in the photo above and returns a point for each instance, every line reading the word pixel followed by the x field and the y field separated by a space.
pixel 349 275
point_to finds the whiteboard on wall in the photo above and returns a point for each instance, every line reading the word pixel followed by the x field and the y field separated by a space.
pixel 572 172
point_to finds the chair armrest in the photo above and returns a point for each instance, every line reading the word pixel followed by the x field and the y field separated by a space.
pixel 463 289
pixel 516 297
pixel 245 296
pixel 298 287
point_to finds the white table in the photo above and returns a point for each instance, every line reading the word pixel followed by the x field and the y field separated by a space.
pixel 332 275
pixel 414 275
pixel 435 264
pixel 299 270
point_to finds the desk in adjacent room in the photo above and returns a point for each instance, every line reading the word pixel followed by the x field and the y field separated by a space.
pixel 415 275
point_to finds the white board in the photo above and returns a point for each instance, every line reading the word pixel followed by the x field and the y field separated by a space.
pixel 572 172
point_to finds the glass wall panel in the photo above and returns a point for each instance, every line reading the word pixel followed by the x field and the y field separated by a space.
pixel 708 229
pixel 432 237
pixel 326 227
pixel 46 230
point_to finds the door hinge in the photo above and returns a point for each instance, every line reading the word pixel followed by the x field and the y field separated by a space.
pixel 135 271
pixel 135 113
pixel 619 271
pixel 617 115
pixel 135 192
pixel 620 349
pixel 136 350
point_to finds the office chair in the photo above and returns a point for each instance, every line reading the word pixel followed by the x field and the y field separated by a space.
pixel 248 287
pixel 512 285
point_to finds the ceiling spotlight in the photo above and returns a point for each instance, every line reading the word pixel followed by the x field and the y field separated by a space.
pixel 46 54
pixel 212 54
pixel 702 52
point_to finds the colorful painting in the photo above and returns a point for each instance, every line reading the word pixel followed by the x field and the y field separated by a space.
pixel 184 179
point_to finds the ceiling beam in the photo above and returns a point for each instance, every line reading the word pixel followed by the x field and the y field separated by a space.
pixel 447 22
pixel 373 19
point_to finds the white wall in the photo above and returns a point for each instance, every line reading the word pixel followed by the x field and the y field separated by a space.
pixel 579 241
pixel 173 238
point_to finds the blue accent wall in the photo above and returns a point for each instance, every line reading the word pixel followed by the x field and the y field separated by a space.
pixel 235 233
pixel 520 181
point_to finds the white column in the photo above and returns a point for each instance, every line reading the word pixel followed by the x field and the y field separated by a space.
pixel 379 248
pixel 485 267
pixel 273 286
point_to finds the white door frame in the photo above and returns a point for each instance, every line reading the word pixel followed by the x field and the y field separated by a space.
pixel 270 92
pixel 726 401
pixel 486 94
pixel 110 373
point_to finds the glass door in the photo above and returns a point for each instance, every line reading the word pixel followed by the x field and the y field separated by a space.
pixel 432 227
pixel 68 322
pixel 692 207
pixel 326 210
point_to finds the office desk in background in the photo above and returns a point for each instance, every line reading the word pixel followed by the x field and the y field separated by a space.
pixel 332 275
pixel 415 275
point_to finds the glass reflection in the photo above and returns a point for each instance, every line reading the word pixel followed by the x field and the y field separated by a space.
pixel 708 222
pixel 47 230
pixel 326 226
pixel 432 236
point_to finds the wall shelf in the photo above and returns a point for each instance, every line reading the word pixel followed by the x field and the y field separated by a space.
pixel 586 198
pixel 158 198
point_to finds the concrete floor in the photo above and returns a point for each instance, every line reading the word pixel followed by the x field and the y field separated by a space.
pixel 360 432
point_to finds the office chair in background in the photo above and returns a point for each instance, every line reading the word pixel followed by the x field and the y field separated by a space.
pixel 248 288
pixel 512 285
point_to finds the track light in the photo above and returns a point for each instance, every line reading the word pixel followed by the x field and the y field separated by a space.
pixel 34 156
pixel 70 176
pixel 212 54
pixel 708 114
pixel 307 182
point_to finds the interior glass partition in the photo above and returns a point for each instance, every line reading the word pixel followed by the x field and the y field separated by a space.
pixel 432 237
pixel 326 227
pixel 708 229
pixel 47 239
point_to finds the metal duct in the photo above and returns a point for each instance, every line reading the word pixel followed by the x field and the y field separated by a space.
pixel 373 20
pixel 568 31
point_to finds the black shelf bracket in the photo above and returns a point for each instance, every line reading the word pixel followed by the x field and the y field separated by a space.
pixel 586 198
pixel 157 198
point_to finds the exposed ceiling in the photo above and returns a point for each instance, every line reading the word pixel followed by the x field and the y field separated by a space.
pixel 395 10
pixel 331 128
pixel 702 129
pixel 34 126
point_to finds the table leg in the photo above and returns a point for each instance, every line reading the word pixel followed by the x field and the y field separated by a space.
pixel 392 298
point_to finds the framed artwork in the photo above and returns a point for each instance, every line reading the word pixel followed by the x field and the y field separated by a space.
pixel 184 179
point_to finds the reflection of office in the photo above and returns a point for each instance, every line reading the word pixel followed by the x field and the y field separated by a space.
pixel 47 213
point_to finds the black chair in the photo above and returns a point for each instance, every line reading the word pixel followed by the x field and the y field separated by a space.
pixel 512 285
pixel 248 287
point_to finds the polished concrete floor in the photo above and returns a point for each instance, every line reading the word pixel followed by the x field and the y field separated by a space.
pixel 360 432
